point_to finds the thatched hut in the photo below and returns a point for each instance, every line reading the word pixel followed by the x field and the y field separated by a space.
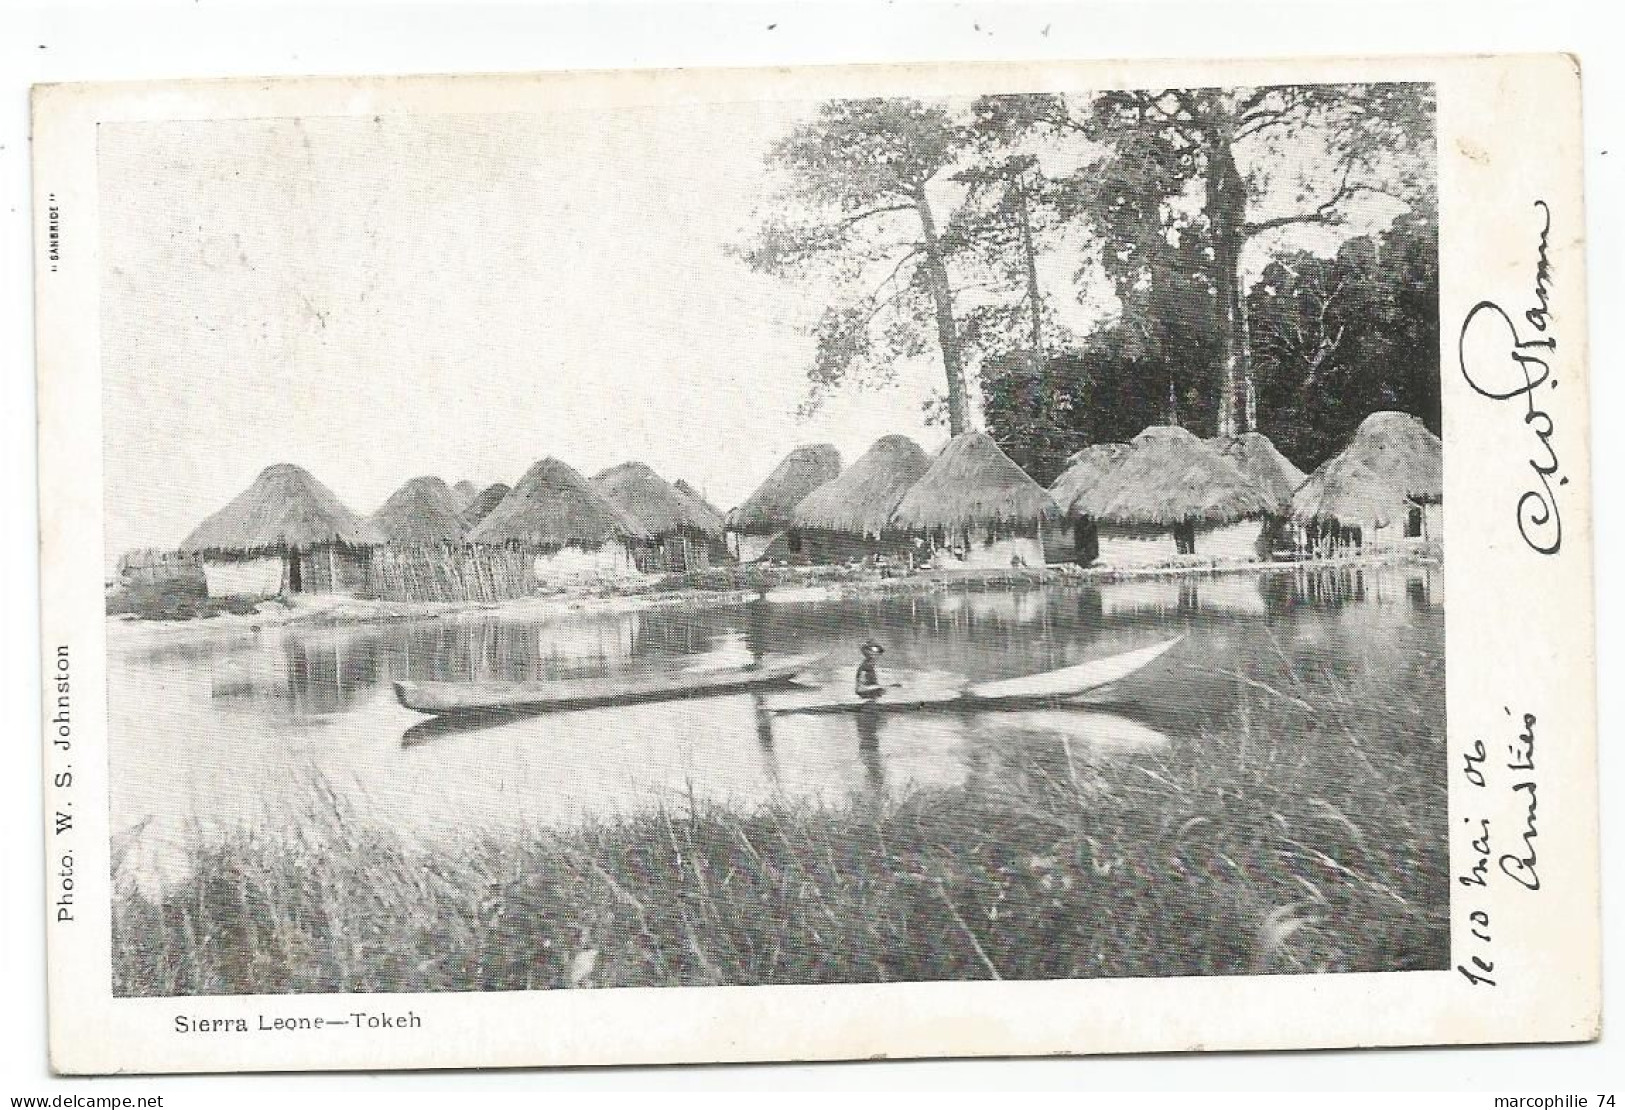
pixel 761 527
pixel 422 513
pixel 1384 489
pixel 701 507
pixel 1075 537
pixel 486 500
pixel 464 492
pixel 976 507
pixel 1345 506
pixel 1260 460
pixel 850 517
pixel 423 557
pixel 1174 495
pixel 681 532
pixel 567 529
pixel 286 533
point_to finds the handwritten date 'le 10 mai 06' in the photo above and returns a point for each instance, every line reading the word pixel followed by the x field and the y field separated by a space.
pixel 1517 864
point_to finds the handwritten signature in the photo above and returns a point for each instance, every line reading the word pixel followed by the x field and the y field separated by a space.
pixel 1505 366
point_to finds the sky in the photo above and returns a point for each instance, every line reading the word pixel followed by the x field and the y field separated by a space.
pixel 377 298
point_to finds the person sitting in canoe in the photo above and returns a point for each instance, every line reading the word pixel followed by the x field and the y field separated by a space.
pixel 868 685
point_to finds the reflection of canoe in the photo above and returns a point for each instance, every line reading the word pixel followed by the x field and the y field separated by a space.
pixel 1063 686
pixel 1089 727
pixel 447 698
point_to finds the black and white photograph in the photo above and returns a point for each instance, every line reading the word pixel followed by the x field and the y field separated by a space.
pixel 865 541
pixel 899 535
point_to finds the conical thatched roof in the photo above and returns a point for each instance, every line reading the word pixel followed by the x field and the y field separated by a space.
pixel 715 522
pixel 1085 470
pixel 653 501
pixel 1400 446
pixel 488 498
pixel 862 499
pixel 284 508
pixel 465 492
pixel 1259 460
pixel 1169 477
pixel 1391 459
pixel 973 483
pixel 423 511
pixel 553 507
pixel 1347 491
pixel 803 470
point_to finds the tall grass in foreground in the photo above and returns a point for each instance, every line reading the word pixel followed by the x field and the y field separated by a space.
pixel 1303 836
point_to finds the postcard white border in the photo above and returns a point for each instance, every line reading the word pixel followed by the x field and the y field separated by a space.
pixel 1519 630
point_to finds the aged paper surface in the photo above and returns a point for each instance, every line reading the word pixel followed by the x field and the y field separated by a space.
pixel 958 673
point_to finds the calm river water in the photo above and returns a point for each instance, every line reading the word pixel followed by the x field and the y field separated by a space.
pixel 220 728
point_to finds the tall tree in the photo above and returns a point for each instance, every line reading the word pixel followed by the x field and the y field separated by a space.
pixel 862 216
pixel 1229 149
pixel 1011 331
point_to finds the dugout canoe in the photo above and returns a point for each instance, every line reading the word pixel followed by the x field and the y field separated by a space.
pixel 444 699
pixel 1075 685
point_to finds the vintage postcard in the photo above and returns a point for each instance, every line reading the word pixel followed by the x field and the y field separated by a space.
pixel 939 560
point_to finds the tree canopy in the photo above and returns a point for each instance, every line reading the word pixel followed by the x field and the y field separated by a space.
pixel 859 209
pixel 1270 255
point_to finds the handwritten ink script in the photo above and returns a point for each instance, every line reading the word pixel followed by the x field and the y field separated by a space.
pixel 1499 857
pixel 1505 364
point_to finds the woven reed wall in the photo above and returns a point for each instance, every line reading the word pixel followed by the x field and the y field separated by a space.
pixel 444 573
pixel 152 566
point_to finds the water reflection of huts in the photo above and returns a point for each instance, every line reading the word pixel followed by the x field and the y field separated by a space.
pixel 1386 487
pixel 763 525
pixel 1231 595
pixel 298 675
pixel 505 650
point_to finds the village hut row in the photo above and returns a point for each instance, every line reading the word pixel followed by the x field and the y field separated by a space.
pixel 1165 497
pixel 1169 494
pixel 971 506
pixel 288 533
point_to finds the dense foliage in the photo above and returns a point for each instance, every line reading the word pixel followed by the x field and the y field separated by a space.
pixel 932 226
pixel 1335 339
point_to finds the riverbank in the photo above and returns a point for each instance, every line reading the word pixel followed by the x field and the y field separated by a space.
pixel 1292 837
pixel 187 605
